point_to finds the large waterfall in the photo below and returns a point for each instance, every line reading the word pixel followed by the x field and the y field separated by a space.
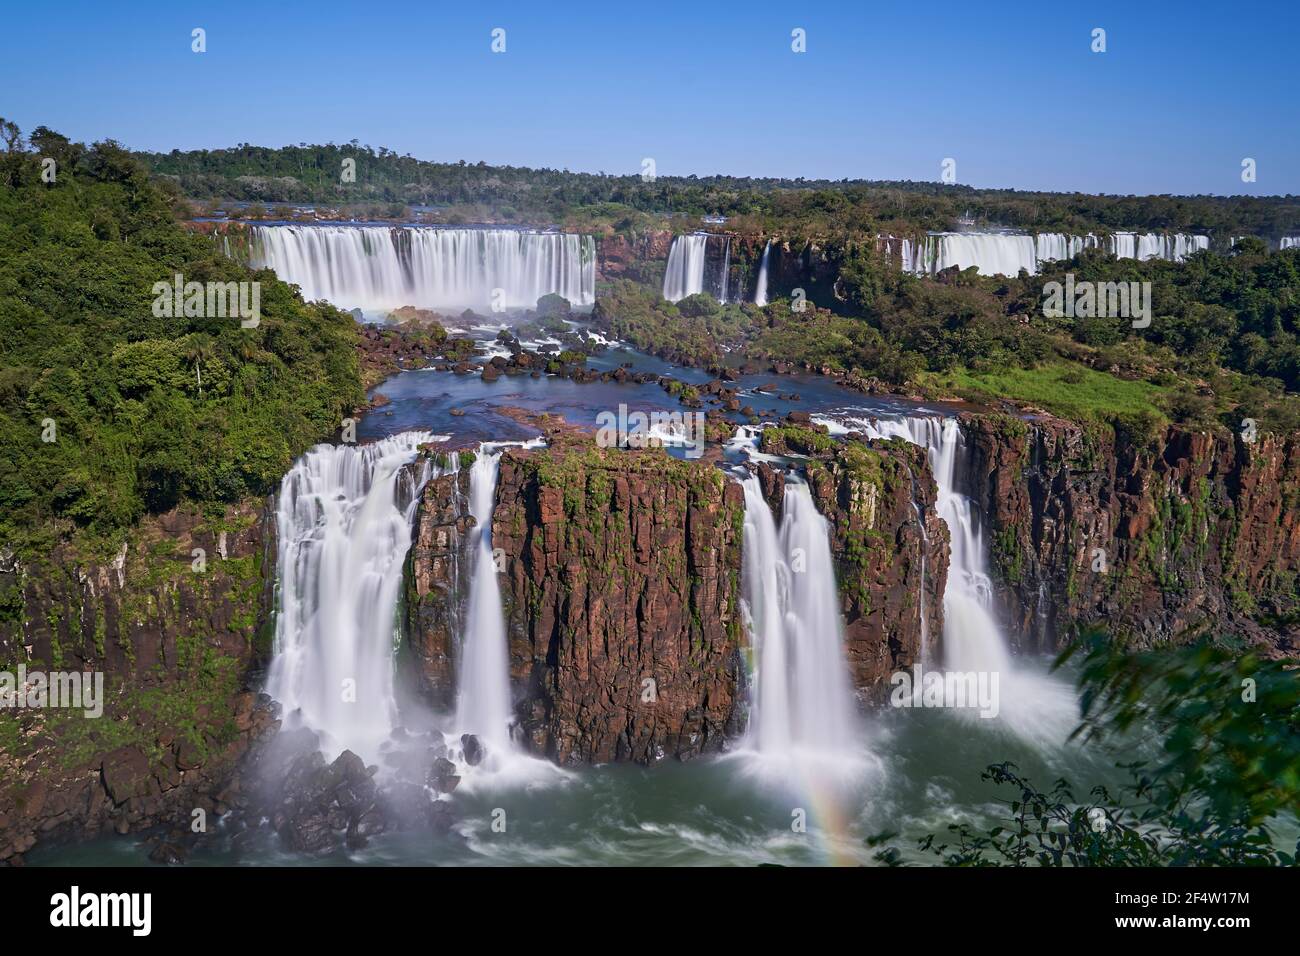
pixel 1035 707
pixel 686 272
pixel 483 705
pixel 1000 253
pixel 802 698
pixel 760 290
pixel 376 268
pixel 344 525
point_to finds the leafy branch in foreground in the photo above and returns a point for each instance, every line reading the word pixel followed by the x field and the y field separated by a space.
pixel 1228 769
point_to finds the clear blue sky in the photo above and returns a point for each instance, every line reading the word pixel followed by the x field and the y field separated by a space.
pixel 886 91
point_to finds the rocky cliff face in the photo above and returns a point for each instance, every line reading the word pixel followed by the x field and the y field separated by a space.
pixel 434 589
pixel 174 631
pixel 891 552
pixel 622 598
pixel 1160 539
pixel 640 257
pixel 622 588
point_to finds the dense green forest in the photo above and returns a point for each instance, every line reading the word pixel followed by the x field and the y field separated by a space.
pixel 108 411
pixel 387 183
pixel 1222 344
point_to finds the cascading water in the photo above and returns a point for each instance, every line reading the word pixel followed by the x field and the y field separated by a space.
pixel 802 704
pixel 376 268
pixel 1038 708
pixel 483 704
pixel 344 524
pixel 760 290
pixel 996 253
pixel 726 270
pixel 992 254
pixel 684 274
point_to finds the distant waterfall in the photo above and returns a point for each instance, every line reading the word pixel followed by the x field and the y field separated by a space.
pixel 726 269
pixel 999 253
pixel 1038 708
pixel 1288 242
pixel 802 698
pixel 760 290
pixel 343 519
pixel 686 272
pixel 991 254
pixel 483 702
pixel 376 268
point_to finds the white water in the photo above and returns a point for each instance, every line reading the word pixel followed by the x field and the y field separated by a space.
pixel 377 268
pixel 760 290
pixel 998 253
pixel 802 703
pixel 685 272
pixel 344 525
pixel 726 269
pixel 1036 707
pixel 1287 242
pixel 483 705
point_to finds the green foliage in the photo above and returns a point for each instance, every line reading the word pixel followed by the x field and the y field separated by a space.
pixel 1229 726
pixel 145 410
pixel 692 332
pixel 595 201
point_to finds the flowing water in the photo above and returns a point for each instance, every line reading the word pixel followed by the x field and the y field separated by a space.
pixel 378 268
pixel 1006 253
pixel 810 780
pixel 344 525
pixel 802 703
pixel 684 274
pixel 1040 709
pixel 483 701
pixel 760 290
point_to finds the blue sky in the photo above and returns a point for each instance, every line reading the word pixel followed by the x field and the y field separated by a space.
pixel 1011 91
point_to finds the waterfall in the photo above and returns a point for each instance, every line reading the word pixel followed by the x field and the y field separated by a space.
pixel 377 268
pixel 726 270
pixel 483 702
pixel 997 253
pixel 760 290
pixel 802 698
pixel 992 254
pixel 1055 246
pixel 343 519
pixel 1288 242
pixel 1152 245
pixel 685 272
pixel 1038 708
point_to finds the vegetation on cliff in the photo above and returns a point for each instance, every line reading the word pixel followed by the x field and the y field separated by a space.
pixel 110 411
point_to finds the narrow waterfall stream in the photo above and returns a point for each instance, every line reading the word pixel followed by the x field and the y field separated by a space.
pixel 344 522
pixel 760 290
pixel 483 695
pixel 802 703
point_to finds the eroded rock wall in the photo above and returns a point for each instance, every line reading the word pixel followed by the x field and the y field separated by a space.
pixel 1162 538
